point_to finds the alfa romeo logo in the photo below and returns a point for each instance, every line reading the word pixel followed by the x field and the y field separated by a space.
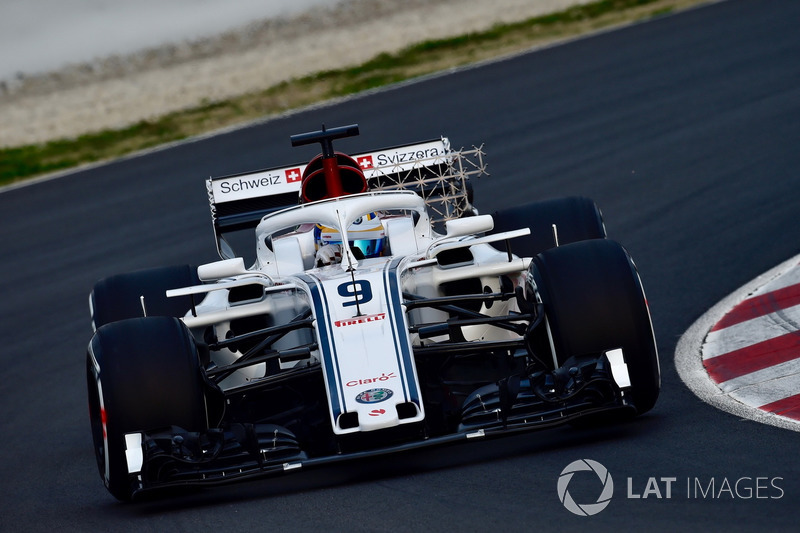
pixel 374 395
pixel 586 509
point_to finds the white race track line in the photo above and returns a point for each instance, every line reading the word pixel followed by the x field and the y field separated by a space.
pixel 689 355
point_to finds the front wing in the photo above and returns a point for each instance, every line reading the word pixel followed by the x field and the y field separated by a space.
pixel 172 457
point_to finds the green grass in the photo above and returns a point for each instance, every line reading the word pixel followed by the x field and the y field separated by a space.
pixel 18 163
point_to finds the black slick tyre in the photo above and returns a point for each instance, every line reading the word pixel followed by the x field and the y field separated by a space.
pixel 594 301
pixel 575 219
pixel 142 374
pixel 120 297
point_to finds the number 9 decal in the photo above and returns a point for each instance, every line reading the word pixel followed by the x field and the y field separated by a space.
pixel 359 290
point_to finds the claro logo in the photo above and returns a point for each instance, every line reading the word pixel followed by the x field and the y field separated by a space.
pixel 585 509
pixel 380 379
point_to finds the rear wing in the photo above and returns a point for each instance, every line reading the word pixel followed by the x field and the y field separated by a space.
pixel 431 169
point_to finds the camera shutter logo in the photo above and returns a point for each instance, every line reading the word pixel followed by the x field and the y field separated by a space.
pixel 586 509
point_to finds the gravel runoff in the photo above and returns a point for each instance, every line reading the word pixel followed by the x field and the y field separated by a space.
pixel 117 91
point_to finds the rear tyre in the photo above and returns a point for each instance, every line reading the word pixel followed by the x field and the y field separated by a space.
pixel 575 218
pixel 119 297
pixel 142 374
pixel 594 301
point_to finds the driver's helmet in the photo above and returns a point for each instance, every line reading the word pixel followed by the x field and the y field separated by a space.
pixel 366 236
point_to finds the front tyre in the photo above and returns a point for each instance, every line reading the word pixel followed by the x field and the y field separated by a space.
pixel 142 374
pixel 594 301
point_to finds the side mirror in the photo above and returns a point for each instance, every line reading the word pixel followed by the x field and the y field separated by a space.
pixel 222 269
pixel 459 227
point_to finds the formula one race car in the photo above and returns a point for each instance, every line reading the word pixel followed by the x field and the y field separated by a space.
pixel 381 313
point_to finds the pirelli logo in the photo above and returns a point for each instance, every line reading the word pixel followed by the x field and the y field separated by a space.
pixel 360 320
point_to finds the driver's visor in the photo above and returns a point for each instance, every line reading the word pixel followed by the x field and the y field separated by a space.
pixel 367 247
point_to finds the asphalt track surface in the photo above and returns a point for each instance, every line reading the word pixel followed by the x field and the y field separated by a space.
pixel 683 129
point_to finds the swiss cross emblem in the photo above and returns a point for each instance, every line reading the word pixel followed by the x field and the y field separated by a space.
pixel 365 162
pixel 292 175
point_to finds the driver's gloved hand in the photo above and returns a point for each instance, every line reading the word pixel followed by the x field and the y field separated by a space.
pixel 329 254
